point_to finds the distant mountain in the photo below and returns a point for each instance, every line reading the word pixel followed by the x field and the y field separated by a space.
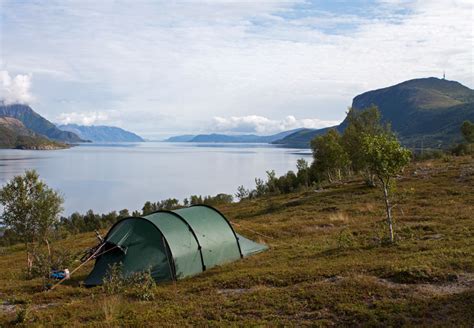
pixel 101 133
pixel 426 112
pixel 13 134
pixel 182 138
pixel 225 138
pixel 302 138
pixel 38 124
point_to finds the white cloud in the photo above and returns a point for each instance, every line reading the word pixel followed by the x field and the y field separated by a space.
pixel 263 125
pixel 83 118
pixel 196 60
pixel 15 89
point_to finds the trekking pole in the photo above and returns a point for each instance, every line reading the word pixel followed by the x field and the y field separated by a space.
pixel 82 264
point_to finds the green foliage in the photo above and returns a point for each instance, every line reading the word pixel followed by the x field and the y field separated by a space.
pixel 303 172
pixel 30 207
pixel 287 183
pixel 260 187
pixel 385 158
pixel 242 193
pixel 467 130
pixel 218 199
pixel 360 124
pixel 139 285
pixel 345 239
pixel 461 149
pixel 114 283
pixel 167 204
pixel 330 157
pixel 272 183
pixel 384 155
pixel 22 315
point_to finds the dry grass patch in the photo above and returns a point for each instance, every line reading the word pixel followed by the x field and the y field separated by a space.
pixel 339 218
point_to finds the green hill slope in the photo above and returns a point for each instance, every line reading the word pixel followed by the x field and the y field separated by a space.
pixel 425 111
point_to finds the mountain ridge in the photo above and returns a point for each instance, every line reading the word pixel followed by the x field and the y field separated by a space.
pixel 422 112
pixel 228 138
pixel 13 134
pixel 37 123
pixel 101 133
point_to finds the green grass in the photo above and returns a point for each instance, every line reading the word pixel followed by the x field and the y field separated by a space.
pixel 326 266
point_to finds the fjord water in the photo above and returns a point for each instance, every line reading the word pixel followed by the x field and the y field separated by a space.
pixel 106 177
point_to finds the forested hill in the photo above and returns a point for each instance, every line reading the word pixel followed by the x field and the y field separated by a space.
pixel 426 112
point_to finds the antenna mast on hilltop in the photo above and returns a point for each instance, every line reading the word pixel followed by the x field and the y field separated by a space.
pixel 444 75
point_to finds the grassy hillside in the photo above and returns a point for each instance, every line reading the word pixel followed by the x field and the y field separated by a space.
pixel 424 112
pixel 431 109
pixel 325 267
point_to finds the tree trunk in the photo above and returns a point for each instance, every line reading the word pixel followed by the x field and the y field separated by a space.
pixel 388 209
pixel 29 260
pixel 46 241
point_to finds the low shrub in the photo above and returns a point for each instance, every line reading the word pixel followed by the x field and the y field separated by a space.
pixel 113 282
pixel 345 239
pixel 139 285
pixel 22 315
pixel 43 263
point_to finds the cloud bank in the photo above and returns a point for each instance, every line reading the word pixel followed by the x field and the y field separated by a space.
pixel 83 118
pixel 262 125
pixel 15 89
pixel 181 63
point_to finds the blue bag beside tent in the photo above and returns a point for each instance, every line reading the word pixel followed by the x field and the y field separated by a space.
pixel 60 274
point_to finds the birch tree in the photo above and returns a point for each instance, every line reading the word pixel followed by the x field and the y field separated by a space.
pixel 30 208
pixel 385 158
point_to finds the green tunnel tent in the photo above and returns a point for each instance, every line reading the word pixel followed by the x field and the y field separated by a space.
pixel 171 244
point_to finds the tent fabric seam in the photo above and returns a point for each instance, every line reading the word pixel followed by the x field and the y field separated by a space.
pixel 190 229
pixel 227 221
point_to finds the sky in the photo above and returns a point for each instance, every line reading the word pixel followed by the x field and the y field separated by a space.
pixel 162 68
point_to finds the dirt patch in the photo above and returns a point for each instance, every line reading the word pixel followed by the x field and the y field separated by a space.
pixel 7 307
pixel 239 291
pixel 464 283
pixel 233 291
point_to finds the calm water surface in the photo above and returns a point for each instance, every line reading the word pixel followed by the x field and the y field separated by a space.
pixel 115 176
